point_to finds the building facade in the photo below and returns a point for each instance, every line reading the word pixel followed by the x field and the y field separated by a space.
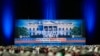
pixel 49 28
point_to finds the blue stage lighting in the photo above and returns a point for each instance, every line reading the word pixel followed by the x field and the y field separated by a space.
pixel 7 19
pixel 49 9
pixel 90 14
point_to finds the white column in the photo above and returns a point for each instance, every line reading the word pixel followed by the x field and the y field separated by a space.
pixel 31 31
pixel 52 31
pixel 64 31
pixel 68 31
pixel 36 31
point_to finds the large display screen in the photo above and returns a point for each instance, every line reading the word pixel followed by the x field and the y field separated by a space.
pixel 49 32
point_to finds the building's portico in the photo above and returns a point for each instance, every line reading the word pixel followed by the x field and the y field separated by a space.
pixel 50 29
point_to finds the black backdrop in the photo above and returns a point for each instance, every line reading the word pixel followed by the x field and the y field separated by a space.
pixel 66 9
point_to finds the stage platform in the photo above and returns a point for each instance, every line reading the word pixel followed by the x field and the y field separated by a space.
pixel 49 41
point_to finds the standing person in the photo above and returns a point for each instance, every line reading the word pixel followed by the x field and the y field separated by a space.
pixel 1 51
pixel 37 49
pixel 27 53
pixel 21 51
pixel 6 53
pixel 83 51
pixel 77 51
pixel 33 53
pixel 12 50
pixel 68 53
pixel 50 53
pixel 58 53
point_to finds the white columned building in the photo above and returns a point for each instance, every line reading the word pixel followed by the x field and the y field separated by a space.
pixel 49 28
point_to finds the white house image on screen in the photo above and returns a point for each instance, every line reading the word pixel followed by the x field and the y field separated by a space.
pixel 49 28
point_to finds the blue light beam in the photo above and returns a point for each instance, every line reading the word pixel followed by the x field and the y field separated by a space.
pixel 49 7
pixel 90 14
pixel 7 19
